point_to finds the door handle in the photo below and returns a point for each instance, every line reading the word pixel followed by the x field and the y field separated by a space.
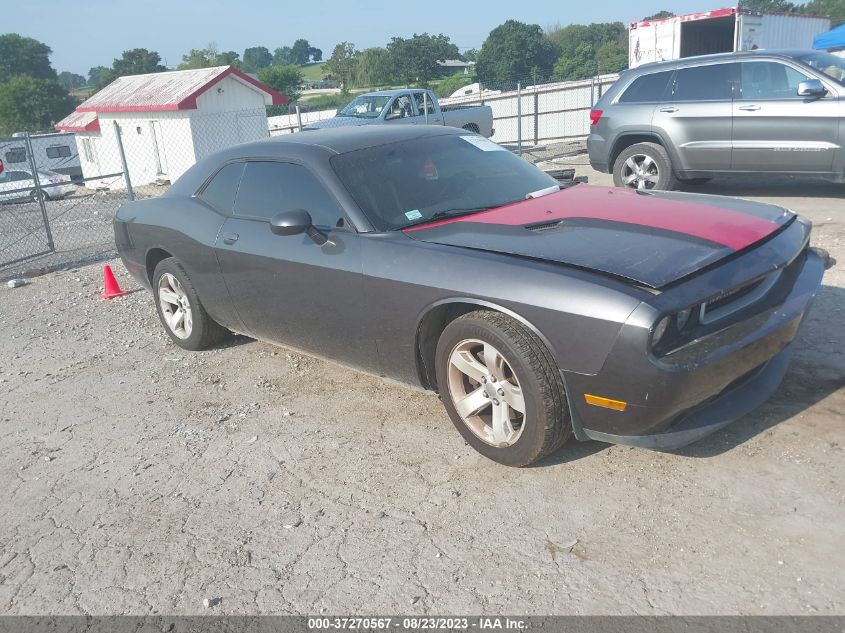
pixel 670 109
pixel 230 238
pixel 749 108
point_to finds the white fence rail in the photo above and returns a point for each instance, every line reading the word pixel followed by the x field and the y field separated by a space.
pixel 526 115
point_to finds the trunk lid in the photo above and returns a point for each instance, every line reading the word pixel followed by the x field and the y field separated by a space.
pixel 651 238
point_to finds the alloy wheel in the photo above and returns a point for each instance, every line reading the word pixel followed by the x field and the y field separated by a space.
pixel 640 171
pixel 486 393
pixel 175 307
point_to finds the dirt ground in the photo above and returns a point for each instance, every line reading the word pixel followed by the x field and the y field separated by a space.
pixel 138 478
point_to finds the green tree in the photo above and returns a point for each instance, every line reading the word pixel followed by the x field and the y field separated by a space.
pixel 515 50
pixel 580 64
pixel 137 61
pixel 256 58
pixel 833 8
pixel 228 58
pixel 32 104
pixel 373 68
pixel 283 56
pixel 659 16
pixel 452 83
pixel 611 58
pixel 195 58
pixel 470 55
pixel 342 64
pixel 316 54
pixel 24 56
pixel 300 52
pixel 71 81
pixel 285 79
pixel 415 58
pixel 99 76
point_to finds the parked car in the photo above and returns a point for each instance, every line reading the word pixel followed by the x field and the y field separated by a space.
pixel 437 258
pixel 409 107
pixel 761 112
pixel 19 184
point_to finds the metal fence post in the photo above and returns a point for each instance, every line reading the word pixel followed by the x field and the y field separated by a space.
pixel 519 118
pixel 129 191
pixel 536 116
pixel 425 105
pixel 39 193
pixel 298 118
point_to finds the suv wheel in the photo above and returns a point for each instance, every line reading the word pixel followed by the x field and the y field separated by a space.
pixel 644 166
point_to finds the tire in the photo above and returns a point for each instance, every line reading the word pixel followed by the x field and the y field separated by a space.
pixel 471 127
pixel 36 195
pixel 644 166
pixel 198 331
pixel 526 371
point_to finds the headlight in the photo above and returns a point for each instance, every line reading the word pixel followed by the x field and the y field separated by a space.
pixel 682 317
pixel 659 330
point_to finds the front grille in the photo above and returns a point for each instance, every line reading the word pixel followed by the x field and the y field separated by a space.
pixel 736 299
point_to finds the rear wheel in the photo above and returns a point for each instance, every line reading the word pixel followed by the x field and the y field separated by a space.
pixel 471 127
pixel 644 166
pixel 180 310
pixel 501 388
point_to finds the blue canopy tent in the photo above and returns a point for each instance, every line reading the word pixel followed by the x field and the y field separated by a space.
pixel 831 41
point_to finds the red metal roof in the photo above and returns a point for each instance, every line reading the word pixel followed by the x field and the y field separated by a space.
pixel 79 122
pixel 172 90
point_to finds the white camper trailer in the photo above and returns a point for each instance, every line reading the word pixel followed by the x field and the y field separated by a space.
pixel 719 31
pixel 54 152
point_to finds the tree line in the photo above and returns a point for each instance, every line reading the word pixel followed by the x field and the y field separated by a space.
pixel 34 96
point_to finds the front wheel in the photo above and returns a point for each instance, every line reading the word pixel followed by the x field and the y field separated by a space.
pixel 644 166
pixel 179 308
pixel 501 388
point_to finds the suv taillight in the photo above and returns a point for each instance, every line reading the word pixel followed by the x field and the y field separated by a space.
pixel 595 115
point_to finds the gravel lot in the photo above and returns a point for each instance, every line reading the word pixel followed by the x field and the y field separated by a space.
pixel 139 478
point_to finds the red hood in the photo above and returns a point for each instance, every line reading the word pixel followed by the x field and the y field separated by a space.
pixel 652 237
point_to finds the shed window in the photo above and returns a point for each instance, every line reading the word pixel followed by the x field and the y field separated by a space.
pixel 16 155
pixel 58 151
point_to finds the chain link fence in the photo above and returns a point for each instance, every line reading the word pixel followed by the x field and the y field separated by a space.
pixel 59 192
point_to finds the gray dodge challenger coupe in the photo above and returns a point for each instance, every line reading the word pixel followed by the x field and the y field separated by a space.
pixel 435 257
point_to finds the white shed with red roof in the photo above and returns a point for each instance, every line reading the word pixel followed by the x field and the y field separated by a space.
pixel 168 121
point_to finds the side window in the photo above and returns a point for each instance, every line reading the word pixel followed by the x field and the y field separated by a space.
pixel 648 88
pixel 401 107
pixel 58 151
pixel 704 83
pixel 220 192
pixel 16 155
pixel 770 80
pixel 268 188
pixel 423 103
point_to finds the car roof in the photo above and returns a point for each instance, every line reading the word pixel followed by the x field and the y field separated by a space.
pixel 339 140
pixel 790 53
pixel 392 92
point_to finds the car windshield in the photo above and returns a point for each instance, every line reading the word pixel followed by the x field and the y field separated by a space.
pixel 420 180
pixel 365 106
pixel 830 65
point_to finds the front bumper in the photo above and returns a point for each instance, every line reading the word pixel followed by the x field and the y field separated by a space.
pixel 724 378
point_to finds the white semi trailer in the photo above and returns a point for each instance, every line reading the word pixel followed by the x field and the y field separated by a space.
pixel 720 31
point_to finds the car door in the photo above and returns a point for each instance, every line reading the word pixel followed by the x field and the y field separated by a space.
pixel 401 110
pixel 425 103
pixel 696 119
pixel 775 129
pixel 14 181
pixel 287 289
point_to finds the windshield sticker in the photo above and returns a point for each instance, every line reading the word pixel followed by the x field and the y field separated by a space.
pixel 413 215
pixel 484 144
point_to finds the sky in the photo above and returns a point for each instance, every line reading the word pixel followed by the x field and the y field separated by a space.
pixel 86 33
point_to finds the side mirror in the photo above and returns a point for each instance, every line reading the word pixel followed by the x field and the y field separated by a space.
pixel 291 222
pixel 811 88
pixel 294 222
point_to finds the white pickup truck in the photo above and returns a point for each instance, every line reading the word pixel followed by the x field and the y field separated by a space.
pixel 410 107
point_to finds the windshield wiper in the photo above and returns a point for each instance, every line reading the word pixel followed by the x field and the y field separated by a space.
pixel 451 213
pixel 543 192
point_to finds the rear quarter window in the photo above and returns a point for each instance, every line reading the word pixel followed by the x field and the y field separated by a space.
pixel 221 190
pixel 647 88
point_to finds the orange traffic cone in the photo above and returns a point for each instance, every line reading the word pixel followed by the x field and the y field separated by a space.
pixel 111 289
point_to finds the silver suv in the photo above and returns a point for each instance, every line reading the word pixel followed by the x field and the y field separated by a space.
pixel 691 119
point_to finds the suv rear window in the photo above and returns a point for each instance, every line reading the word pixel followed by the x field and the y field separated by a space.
pixel 651 87
pixel 705 83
